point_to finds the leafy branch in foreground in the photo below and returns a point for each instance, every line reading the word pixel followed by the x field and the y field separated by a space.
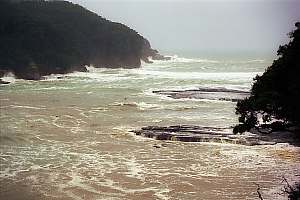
pixel 258 192
pixel 275 96
pixel 293 192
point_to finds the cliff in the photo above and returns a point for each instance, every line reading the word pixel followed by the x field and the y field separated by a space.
pixel 40 37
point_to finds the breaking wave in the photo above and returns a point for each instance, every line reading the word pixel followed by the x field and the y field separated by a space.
pixel 9 77
pixel 177 59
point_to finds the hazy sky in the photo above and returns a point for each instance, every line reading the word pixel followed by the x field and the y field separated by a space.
pixel 215 25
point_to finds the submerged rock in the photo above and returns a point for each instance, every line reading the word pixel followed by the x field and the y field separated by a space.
pixel 158 56
pixel 206 93
pixel 189 133
pixel 4 82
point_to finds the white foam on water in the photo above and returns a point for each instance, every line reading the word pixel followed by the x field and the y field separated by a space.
pixel 78 182
pixel 163 194
pixel 230 76
pixel 135 170
pixel 68 122
pixel 94 74
pixel 9 77
pixel 148 106
pixel 7 172
pixel 53 88
pixel 255 61
pixel 129 104
pixel 92 160
pixel 99 77
pixel 124 129
pixel 177 59
pixel 53 77
pixel 140 105
pixel 163 97
pixel 28 107
pixel 91 111
pixel 94 69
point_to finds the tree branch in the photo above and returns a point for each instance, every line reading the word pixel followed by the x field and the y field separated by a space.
pixel 258 192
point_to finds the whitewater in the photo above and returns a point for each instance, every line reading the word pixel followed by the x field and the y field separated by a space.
pixel 69 136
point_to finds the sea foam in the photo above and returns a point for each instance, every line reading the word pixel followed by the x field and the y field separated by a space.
pixel 9 77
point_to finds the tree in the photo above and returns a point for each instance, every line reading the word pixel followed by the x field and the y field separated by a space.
pixel 275 95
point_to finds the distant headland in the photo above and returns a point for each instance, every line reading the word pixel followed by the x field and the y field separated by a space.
pixel 41 37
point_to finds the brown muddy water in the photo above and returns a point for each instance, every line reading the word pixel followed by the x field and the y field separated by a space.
pixel 67 137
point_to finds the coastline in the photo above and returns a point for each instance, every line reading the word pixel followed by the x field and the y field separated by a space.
pixel 194 133
pixel 68 136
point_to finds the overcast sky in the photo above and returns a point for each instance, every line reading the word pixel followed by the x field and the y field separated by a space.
pixel 197 25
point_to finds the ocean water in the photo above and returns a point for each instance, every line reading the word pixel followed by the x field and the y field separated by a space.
pixel 68 136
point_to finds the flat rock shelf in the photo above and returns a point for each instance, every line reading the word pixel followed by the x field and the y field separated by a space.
pixel 188 133
pixel 206 93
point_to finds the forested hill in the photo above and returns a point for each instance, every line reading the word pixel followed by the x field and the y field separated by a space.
pixel 43 37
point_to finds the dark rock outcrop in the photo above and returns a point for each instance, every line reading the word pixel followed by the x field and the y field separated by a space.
pixel 4 82
pixel 148 52
pixel 205 93
pixel 41 37
pixel 3 72
pixel 189 133
pixel 158 56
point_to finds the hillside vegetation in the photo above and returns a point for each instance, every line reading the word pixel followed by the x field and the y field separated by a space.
pixel 43 37
pixel 275 96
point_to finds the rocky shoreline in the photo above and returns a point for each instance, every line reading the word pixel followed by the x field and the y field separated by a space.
pixel 55 43
pixel 193 133
pixel 190 133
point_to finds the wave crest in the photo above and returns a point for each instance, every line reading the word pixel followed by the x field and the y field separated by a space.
pixel 9 77
pixel 177 59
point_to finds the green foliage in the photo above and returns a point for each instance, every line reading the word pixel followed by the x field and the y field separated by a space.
pixel 57 36
pixel 276 94
pixel 294 194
